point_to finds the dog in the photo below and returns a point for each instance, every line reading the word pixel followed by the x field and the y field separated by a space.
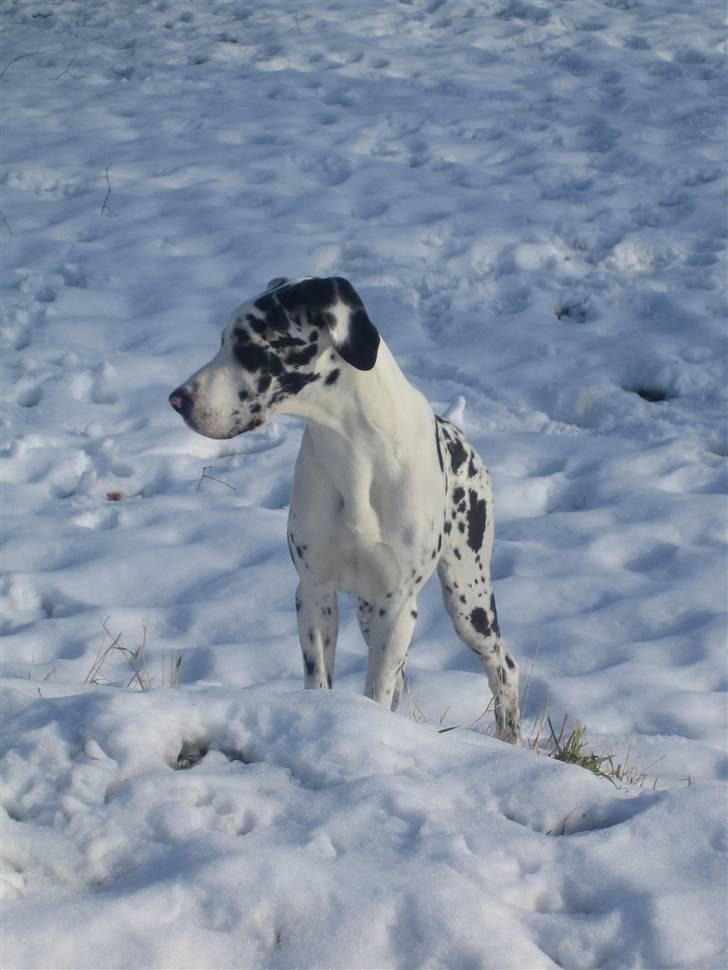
pixel 384 491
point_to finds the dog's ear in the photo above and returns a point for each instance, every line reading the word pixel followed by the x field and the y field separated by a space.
pixel 353 334
pixel 332 302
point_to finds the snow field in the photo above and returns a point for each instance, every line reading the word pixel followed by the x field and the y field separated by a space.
pixel 530 198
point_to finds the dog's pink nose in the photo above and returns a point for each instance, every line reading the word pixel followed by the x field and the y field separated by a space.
pixel 180 401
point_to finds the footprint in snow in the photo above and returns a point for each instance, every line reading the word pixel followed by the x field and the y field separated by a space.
pixel 29 397
pixel 85 386
pixel 99 519
pixel 45 294
pixel 23 338
pixel 73 276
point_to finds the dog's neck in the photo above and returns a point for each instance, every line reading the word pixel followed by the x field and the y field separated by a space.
pixel 365 404
pixel 362 433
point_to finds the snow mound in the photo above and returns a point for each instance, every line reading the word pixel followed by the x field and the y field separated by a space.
pixel 265 828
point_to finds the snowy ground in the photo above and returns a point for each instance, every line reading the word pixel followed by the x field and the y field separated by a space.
pixel 530 197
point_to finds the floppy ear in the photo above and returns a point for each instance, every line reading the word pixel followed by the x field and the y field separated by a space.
pixel 333 303
pixel 353 334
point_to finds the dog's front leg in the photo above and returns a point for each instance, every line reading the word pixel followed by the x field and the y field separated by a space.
pixel 318 627
pixel 387 627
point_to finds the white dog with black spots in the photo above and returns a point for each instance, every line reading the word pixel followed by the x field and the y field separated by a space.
pixel 384 490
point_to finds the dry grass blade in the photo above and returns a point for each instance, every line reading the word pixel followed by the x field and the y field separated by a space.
pixel 94 674
pixel 172 670
pixel 134 659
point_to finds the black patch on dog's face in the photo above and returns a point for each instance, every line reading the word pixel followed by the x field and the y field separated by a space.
pixel 298 358
pixel 274 315
pixel 291 336
pixel 276 351
pixel 354 336
pixel 250 356
pixel 293 382
pixel 317 292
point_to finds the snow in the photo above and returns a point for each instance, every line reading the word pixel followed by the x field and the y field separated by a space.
pixel 530 198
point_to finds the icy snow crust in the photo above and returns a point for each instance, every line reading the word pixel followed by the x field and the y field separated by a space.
pixel 530 198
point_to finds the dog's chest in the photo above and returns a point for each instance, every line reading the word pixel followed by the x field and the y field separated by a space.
pixel 383 541
pixel 367 564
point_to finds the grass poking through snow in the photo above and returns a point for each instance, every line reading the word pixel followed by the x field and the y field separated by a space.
pixel 568 746
pixel 134 661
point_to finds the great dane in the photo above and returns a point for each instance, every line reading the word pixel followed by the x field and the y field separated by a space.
pixel 384 490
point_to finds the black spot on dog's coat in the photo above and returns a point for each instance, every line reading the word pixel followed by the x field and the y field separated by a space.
pixel 439 450
pixel 476 521
pixel 479 621
pixel 458 454
pixel 493 610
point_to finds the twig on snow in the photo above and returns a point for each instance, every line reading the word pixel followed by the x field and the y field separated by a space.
pixel 67 70
pixel 105 207
pixel 7 224
pixel 212 477
pixel 19 58
pixel 566 309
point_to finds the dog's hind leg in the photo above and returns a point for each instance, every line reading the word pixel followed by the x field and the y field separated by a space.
pixel 471 605
pixel 464 571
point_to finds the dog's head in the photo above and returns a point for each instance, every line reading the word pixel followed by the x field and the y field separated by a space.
pixel 292 340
